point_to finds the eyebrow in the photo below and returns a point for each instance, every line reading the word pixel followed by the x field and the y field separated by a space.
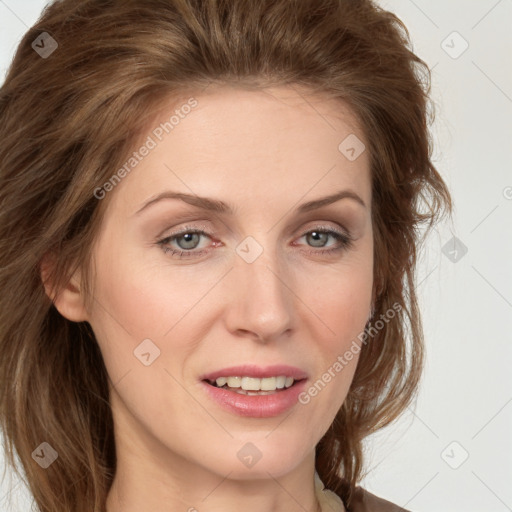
pixel 217 206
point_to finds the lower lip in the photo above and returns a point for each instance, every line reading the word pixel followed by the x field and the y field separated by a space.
pixel 256 406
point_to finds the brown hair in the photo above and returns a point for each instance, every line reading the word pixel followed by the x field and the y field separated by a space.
pixel 71 118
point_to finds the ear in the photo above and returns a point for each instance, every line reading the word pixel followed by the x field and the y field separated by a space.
pixel 68 300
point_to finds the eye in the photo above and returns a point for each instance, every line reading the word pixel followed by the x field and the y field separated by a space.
pixel 187 241
pixel 319 236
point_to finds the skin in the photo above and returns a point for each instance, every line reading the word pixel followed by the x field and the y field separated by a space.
pixel 265 153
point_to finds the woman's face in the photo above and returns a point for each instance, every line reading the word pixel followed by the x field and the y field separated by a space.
pixel 269 283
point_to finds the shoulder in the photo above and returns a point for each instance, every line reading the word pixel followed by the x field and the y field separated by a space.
pixel 365 501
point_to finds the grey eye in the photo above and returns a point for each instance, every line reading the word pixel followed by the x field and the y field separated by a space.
pixel 191 240
pixel 318 236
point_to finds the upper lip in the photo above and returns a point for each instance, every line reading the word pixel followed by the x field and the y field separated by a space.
pixel 250 370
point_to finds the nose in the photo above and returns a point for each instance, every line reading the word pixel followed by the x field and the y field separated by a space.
pixel 261 302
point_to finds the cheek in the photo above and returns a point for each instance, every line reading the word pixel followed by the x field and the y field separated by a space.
pixel 146 300
pixel 137 301
pixel 341 300
pixel 340 297
pixel 344 309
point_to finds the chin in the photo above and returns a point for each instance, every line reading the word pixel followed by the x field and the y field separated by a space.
pixel 256 459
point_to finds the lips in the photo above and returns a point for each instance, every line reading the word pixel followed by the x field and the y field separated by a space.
pixel 256 372
pixel 257 405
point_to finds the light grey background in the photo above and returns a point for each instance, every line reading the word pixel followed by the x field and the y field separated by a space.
pixel 464 408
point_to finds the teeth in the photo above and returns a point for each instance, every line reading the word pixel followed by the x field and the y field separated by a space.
pixel 234 382
pixel 221 381
pixel 280 381
pixel 255 384
pixel 268 384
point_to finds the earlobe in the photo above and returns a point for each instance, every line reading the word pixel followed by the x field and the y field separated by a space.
pixel 68 300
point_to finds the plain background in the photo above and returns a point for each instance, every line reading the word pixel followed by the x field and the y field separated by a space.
pixel 452 451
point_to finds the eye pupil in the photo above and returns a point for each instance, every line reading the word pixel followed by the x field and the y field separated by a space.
pixel 190 238
pixel 316 234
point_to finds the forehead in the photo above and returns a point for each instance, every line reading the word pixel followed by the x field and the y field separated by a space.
pixel 287 103
pixel 284 139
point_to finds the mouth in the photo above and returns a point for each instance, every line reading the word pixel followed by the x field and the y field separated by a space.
pixel 253 386
pixel 255 391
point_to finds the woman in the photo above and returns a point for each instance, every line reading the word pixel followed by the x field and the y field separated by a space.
pixel 210 219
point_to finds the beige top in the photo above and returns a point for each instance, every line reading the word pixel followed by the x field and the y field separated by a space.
pixel 329 500
pixel 363 501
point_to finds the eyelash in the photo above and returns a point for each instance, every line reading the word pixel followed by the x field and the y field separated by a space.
pixel 344 240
